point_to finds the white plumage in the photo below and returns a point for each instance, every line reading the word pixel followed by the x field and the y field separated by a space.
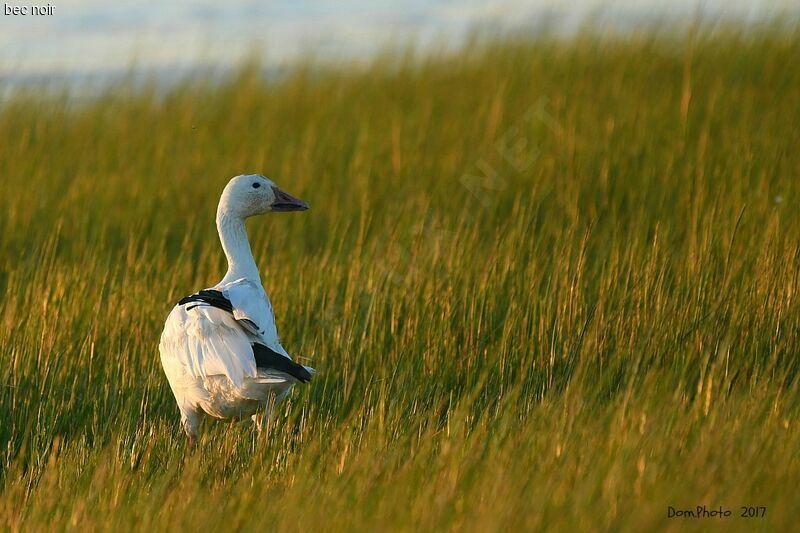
pixel 220 348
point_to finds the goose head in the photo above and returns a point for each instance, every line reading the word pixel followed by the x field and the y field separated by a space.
pixel 253 194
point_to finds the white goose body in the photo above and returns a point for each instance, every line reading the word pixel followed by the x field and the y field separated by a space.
pixel 220 348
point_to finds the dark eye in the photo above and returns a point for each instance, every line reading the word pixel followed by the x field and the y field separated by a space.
pixel 256 185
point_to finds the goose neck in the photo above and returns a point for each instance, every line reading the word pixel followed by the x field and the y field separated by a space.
pixel 236 245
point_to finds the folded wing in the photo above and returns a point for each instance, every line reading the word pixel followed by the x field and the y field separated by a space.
pixel 208 341
pixel 229 330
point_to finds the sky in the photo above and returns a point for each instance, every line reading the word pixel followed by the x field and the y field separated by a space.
pixel 101 37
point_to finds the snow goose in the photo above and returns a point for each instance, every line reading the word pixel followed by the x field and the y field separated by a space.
pixel 220 348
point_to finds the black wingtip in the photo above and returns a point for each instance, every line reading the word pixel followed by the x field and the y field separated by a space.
pixel 304 375
pixel 269 359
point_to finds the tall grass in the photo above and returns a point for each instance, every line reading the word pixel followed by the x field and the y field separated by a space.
pixel 546 285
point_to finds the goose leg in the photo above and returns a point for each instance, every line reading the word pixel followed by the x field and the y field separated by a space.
pixel 261 419
pixel 190 422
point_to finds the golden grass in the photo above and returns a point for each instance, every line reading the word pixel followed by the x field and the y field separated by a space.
pixel 546 286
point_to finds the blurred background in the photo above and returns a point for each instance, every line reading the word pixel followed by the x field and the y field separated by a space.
pixel 92 41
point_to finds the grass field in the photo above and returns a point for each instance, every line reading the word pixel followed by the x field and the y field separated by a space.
pixel 546 285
